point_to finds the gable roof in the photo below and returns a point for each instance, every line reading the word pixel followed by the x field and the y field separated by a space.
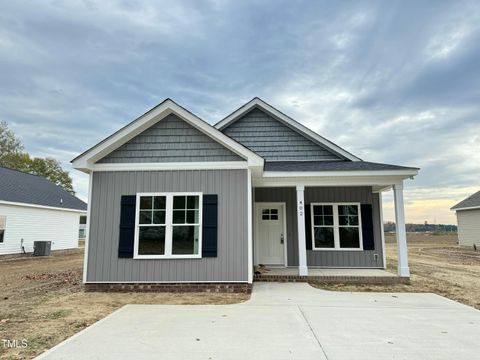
pixel 20 187
pixel 293 124
pixel 170 140
pixel 85 161
pixel 275 141
pixel 471 202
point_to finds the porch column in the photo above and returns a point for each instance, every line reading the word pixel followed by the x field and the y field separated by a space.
pixel 400 233
pixel 302 248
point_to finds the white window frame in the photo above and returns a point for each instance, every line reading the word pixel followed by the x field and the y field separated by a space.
pixel 336 227
pixel 4 228
pixel 169 225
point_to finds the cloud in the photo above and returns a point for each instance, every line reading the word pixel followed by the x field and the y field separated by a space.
pixel 392 82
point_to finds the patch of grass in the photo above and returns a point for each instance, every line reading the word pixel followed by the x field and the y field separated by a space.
pixel 59 314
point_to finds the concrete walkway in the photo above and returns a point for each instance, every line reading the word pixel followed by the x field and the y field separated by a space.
pixel 285 321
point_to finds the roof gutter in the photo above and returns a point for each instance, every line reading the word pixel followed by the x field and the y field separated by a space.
pixel 354 173
pixel 465 208
pixel 13 203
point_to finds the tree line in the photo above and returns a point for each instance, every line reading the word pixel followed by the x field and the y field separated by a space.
pixel 14 156
pixel 389 226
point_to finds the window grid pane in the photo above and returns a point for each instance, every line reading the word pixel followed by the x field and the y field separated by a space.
pixel 151 240
pixel 269 214
pixel 146 203
pixel 159 203
pixel 349 237
pixel 185 240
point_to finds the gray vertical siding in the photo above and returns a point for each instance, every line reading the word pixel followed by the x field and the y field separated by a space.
pixel 170 140
pixel 108 187
pixel 339 258
pixel 273 140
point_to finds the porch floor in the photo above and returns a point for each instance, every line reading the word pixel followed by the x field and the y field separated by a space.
pixel 367 276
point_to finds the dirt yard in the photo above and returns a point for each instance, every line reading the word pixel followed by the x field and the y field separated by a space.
pixel 42 301
pixel 437 265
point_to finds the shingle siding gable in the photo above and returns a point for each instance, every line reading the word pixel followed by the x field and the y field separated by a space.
pixel 170 140
pixel 274 140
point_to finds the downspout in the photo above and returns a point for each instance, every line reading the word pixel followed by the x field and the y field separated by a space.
pixel 22 247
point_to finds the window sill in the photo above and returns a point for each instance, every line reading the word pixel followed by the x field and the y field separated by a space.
pixel 160 257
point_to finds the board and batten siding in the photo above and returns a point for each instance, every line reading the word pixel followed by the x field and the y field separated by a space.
pixel 273 140
pixel 170 140
pixel 468 227
pixel 330 258
pixel 230 264
pixel 36 224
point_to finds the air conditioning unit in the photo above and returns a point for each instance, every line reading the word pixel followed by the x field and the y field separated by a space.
pixel 42 248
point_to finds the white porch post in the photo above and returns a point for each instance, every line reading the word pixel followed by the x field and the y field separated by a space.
pixel 302 249
pixel 403 270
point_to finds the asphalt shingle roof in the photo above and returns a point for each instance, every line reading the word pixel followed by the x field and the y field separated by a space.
pixel 471 201
pixel 17 186
pixel 330 166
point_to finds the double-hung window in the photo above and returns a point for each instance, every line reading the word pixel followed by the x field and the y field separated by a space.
pixel 336 226
pixel 168 225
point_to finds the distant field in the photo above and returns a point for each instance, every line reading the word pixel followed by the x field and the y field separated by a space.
pixel 439 265
pixel 447 238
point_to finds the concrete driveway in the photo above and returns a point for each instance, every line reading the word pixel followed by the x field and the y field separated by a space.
pixel 285 321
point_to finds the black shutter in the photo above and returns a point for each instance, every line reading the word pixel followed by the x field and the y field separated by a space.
pixel 308 227
pixel 367 227
pixel 127 226
pixel 210 225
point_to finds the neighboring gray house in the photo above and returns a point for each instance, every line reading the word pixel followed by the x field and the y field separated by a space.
pixel 176 200
pixel 468 220
pixel 35 209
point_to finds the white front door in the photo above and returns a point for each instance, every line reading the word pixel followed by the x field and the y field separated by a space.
pixel 270 233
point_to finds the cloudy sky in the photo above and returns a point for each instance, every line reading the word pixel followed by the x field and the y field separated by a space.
pixel 391 81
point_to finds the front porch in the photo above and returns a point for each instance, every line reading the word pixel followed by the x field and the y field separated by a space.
pixel 326 233
pixel 348 276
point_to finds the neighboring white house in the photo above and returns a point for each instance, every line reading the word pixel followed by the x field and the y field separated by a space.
pixel 34 209
pixel 468 219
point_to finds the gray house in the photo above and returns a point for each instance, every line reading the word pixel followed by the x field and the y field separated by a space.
pixel 468 220
pixel 175 201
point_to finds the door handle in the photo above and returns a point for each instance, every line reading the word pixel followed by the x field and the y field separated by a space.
pixel 281 238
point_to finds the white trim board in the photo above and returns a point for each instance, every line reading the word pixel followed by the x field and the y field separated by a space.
pixel 259 103
pixel 85 161
pixel 13 203
pixel 87 227
pixel 382 230
pixel 249 227
pixel 213 165
pixel 347 180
